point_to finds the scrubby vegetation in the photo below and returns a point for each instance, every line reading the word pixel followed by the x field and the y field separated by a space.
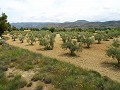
pixel 114 50
pixel 62 75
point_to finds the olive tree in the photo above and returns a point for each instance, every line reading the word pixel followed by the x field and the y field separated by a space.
pixel 21 38
pixel 114 51
pixel 99 37
pixel 87 41
pixel 14 37
pixel 72 46
pixel 31 38
pixel 47 41
pixel 116 43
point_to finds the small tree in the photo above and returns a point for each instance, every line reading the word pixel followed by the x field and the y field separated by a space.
pixel 79 38
pixel 87 41
pixel 72 46
pixel 14 37
pixel 47 41
pixel 52 29
pixel 3 23
pixel 21 38
pixel 31 38
pixel 105 37
pixel 116 43
pixel 114 51
pixel 99 37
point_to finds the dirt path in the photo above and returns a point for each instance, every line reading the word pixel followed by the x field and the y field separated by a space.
pixel 93 58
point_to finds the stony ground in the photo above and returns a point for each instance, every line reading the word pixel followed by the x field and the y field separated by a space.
pixel 93 58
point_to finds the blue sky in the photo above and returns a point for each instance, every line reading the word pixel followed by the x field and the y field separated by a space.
pixel 60 10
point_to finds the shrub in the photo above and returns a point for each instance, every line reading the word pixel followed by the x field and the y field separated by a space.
pixel 87 41
pixel 79 38
pixel 116 43
pixel 105 37
pixel 45 77
pixel 114 50
pixel 62 75
pixel 72 46
pixel 99 37
pixel 21 38
pixel 31 38
pixel 52 29
pixel 2 41
pixel 14 37
pixel 16 83
pixel 47 41
pixel 114 53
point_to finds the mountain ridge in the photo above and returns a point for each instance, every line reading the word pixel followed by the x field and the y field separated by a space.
pixel 75 24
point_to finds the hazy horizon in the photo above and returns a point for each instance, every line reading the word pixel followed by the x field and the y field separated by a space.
pixel 60 10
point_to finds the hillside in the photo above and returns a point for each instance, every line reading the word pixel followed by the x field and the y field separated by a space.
pixel 78 23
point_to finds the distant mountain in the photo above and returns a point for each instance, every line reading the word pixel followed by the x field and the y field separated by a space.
pixel 76 24
pixel 31 24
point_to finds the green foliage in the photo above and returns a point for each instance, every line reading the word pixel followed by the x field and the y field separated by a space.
pixel 12 84
pixel 116 43
pixel 114 50
pixel 87 41
pixel 47 41
pixel 31 38
pixel 62 75
pixel 99 37
pixel 72 46
pixel 21 37
pixel 114 53
pixel 4 25
pixel 2 41
pixel 79 38
pixel 114 33
pixel 105 37
pixel 52 29
pixel 14 36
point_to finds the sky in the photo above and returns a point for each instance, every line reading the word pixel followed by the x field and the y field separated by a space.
pixel 60 10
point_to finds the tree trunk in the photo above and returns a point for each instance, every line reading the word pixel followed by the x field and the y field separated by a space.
pixel 99 41
pixel 72 53
pixel 88 45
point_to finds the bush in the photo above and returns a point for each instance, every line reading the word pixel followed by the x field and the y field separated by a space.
pixel 72 46
pixel 21 38
pixel 114 53
pixel 2 41
pixel 99 37
pixel 31 38
pixel 105 37
pixel 14 37
pixel 114 50
pixel 62 75
pixel 87 41
pixel 116 43
pixel 47 41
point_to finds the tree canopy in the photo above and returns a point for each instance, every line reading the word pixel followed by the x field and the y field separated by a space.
pixel 4 25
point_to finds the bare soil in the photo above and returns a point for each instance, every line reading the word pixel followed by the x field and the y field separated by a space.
pixel 93 58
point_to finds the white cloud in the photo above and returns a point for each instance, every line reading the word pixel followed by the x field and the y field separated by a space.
pixel 60 10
